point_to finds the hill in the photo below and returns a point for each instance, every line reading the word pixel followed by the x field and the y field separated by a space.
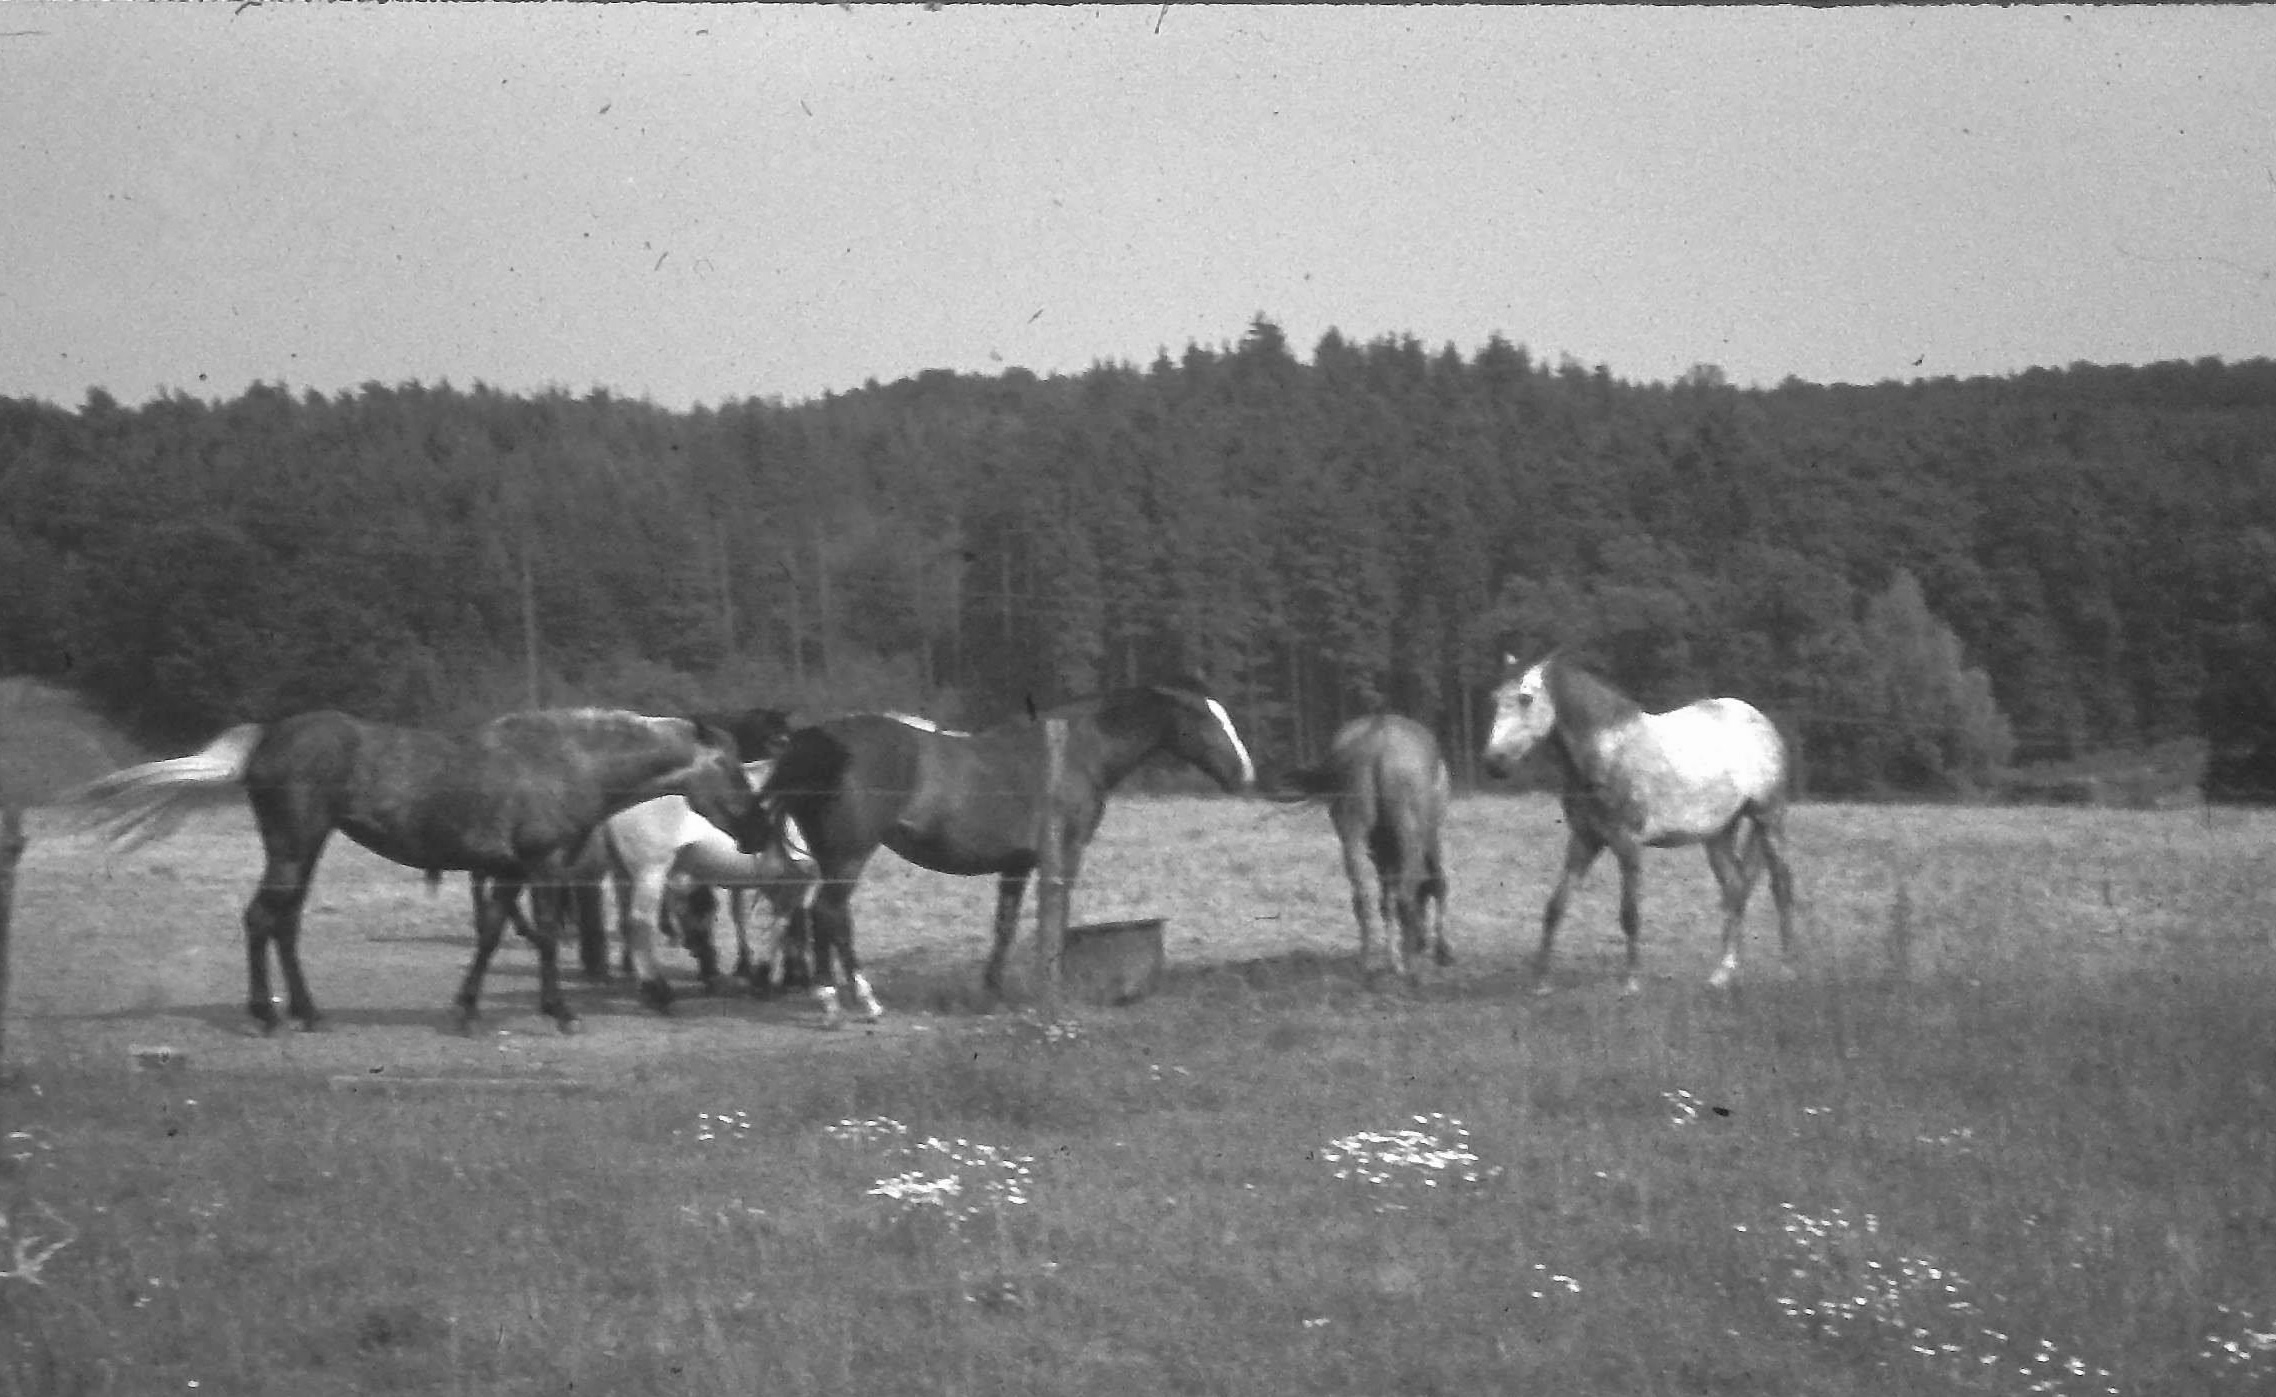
pixel 50 741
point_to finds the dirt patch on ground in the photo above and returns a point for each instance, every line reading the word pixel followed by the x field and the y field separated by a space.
pixel 117 957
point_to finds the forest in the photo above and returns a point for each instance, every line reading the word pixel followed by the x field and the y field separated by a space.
pixel 1930 585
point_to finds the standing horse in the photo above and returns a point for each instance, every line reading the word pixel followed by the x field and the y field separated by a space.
pixel 1713 773
pixel 970 803
pixel 506 803
pixel 1387 788
pixel 659 842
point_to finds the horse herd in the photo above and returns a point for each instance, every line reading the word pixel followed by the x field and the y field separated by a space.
pixel 559 801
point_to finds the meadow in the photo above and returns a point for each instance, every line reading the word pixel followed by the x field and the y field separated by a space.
pixel 2004 1127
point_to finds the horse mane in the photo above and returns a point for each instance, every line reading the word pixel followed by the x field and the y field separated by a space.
pixel 621 724
pixel 1585 704
pixel 759 733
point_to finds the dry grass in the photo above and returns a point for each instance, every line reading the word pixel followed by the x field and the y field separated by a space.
pixel 2005 1130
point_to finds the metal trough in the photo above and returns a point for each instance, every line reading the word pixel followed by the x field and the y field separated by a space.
pixel 1112 962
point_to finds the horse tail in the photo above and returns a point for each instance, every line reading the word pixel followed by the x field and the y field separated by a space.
pixel 146 803
pixel 434 881
pixel 1305 785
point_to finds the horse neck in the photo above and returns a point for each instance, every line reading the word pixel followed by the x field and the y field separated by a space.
pixel 1588 712
pixel 634 775
pixel 1125 739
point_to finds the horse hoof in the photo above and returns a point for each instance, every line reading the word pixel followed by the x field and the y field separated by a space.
pixel 568 1026
pixel 657 995
pixel 1542 989
pixel 307 1025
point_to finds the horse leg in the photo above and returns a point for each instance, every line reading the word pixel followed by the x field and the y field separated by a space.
pixel 1433 895
pixel 739 912
pixel 1010 889
pixel 274 916
pixel 543 932
pixel 645 906
pixel 1631 860
pixel 592 929
pixel 1370 896
pixel 1580 852
pixel 1409 874
pixel 1734 874
pixel 792 957
pixel 1770 843
pixel 787 936
pixel 292 837
pixel 489 926
pixel 695 908
pixel 834 952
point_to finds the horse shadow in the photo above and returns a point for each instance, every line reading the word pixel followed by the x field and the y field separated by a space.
pixel 232 1020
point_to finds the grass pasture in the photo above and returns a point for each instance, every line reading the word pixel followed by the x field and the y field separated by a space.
pixel 2009 1127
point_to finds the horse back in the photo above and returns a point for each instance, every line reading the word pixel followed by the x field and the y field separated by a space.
pixel 975 803
pixel 1391 787
pixel 1687 773
pixel 1393 759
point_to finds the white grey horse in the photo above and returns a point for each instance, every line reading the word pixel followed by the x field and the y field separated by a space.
pixel 1712 773
pixel 659 844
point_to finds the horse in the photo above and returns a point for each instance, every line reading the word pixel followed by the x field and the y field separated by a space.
pixel 505 803
pixel 969 803
pixel 587 875
pixel 1387 788
pixel 659 843
pixel 1713 773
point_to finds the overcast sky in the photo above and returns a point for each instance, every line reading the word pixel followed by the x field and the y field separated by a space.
pixel 698 203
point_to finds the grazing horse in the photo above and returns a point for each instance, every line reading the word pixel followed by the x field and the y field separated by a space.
pixel 1712 772
pixel 659 842
pixel 1387 788
pixel 506 803
pixel 586 874
pixel 970 803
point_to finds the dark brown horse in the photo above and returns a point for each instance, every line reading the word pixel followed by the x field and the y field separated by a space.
pixel 969 803
pixel 505 803
pixel 1387 787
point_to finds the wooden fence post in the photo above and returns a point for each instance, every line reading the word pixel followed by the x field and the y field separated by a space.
pixel 11 849
pixel 1051 871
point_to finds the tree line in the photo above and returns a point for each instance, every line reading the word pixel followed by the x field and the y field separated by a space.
pixel 1924 582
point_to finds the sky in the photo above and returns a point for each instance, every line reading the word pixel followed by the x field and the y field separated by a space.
pixel 695 203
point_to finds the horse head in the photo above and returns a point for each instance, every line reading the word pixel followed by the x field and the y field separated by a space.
pixel 759 733
pixel 714 783
pixel 1201 732
pixel 1525 711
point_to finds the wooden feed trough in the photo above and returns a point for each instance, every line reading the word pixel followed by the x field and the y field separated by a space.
pixel 1112 962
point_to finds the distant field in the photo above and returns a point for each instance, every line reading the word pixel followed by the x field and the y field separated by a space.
pixel 2006 1126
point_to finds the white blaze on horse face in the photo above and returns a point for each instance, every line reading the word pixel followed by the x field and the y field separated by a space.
pixel 1523 716
pixel 1225 721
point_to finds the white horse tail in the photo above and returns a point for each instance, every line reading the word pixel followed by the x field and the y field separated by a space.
pixel 144 804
